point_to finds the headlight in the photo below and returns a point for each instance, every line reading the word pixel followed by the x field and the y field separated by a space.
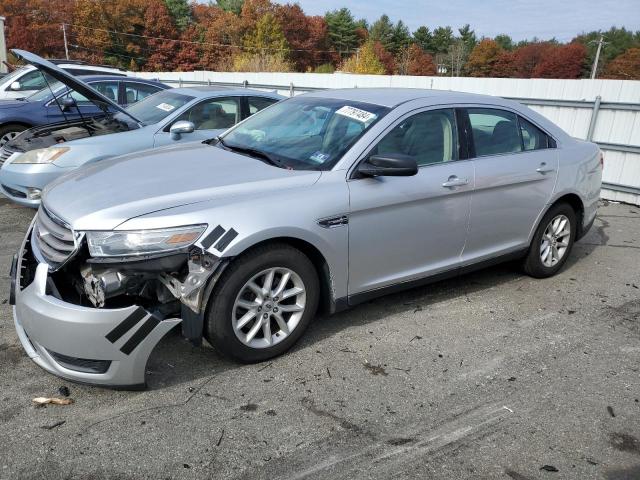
pixel 142 242
pixel 41 155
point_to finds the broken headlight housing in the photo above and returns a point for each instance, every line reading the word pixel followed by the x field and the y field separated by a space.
pixel 115 243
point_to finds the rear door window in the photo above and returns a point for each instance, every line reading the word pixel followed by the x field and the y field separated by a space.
pixel 495 132
pixel 134 91
pixel 532 137
pixel 258 103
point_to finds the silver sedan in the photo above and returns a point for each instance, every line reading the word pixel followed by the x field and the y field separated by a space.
pixel 321 201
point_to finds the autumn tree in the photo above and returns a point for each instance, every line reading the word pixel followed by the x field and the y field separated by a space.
pixel 483 58
pixel 189 50
pixel 527 58
pixel 504 65
pixel 365 61
pixel 618 41
pixel 266 48
pixel 158 23
pixel 419 62
pixel 625 66
pixel 223 35
pixel 387 59
pixel 565 61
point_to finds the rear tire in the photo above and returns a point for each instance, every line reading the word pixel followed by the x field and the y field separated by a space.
pixel 262 303
pixel 9 132
pixel 552 242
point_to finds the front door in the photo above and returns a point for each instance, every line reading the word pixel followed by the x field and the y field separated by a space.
pixel 210 118
pixel 516 168
pixel 405 228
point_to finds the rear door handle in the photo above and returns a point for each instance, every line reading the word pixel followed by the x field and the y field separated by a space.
pixel 543 169
pixel 454 181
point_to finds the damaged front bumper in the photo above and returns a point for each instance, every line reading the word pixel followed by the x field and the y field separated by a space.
pixel 101 346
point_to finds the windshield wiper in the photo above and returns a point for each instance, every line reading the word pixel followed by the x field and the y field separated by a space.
pixel 265 157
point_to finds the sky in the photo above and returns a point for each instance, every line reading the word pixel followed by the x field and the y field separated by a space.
pixel 521 19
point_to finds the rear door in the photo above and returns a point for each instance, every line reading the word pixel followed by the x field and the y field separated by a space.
pixel 407 228
pixel 211 117
pixel 132 92
pixel 255 104
pixel 516 166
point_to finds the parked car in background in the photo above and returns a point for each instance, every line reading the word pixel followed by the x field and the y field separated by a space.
pixel 40 155
pixel 27 80
pixel 58 103
pixel 329 198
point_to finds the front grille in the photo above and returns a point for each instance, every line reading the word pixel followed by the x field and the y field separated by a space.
pixel 5 152
pixel 53 239
pixel 83 365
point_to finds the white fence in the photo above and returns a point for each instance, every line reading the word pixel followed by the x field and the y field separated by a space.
pixel 604 111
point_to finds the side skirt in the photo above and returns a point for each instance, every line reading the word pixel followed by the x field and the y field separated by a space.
pixel 352 300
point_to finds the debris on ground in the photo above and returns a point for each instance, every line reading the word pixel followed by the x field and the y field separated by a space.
pixel 64 391
pixel 417 337
pixel 375 369
pixel 220 439
pixel 53 425
pixel 52 401
pixel 610 410
pixel 549 468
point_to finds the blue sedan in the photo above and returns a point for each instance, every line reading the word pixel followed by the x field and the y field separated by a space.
pixel 66 104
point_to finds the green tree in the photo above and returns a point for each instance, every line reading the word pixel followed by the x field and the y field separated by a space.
pixel 442 39
pixel 365 61
pixel 424 38
pixel 504 41
pixel 468 37
pixel 400 38
pixel 266 48
pixel 382 31
pixel 342 31
pixel 233 6
pixel 618 40
pixel 180 11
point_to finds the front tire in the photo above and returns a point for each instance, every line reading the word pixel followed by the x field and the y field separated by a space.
pixel 552 242
pixel 9 132
pixel 262 304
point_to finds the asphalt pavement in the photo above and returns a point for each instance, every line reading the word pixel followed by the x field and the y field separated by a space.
pixel 493 375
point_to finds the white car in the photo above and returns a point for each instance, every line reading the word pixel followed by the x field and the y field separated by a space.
pixel 28 79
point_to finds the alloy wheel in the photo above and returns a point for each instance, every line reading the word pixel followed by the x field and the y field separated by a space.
pixel 269 307
pixel 7 137
pixel 555 241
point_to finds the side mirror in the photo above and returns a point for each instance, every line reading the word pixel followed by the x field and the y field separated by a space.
pixel 388 165
pixel 67 104
pixel 180 127
pixel 14 86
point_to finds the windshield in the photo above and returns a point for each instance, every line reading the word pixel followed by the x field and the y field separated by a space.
pixel 156 107
pixel 304 132
pixel 45 93
pixel 10 76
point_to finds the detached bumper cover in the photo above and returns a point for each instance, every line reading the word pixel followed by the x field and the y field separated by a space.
pixel 107 347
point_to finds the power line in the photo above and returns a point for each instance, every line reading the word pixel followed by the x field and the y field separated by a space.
pixel 225 45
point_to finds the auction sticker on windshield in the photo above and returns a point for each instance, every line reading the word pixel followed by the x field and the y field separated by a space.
pixel 165 106
pixel 356 114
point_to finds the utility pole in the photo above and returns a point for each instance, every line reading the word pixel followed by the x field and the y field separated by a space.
pixel 64 35
pixel 3 48
pixel 594 69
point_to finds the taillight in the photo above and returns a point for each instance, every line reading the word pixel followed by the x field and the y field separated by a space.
pixel 601 160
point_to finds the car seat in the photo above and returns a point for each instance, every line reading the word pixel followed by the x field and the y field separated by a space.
pixel 505 137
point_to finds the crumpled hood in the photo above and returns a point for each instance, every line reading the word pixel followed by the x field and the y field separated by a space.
pixel 103 195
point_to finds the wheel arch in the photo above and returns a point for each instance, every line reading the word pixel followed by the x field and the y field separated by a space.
pixel 317 258
pixel 575 201
pixel 18 122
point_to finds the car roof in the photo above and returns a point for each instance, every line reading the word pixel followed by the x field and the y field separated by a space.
pixel 93 78
pixel 208 91
pixel 392 97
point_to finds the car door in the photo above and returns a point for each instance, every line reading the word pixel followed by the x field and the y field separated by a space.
pixel 406 228
pixel 255 104
pixel 210 117
pixel 516 166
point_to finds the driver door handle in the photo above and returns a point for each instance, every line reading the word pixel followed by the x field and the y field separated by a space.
pixel 544 169
pixel 454 181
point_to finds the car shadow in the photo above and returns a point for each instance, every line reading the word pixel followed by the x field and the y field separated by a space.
pixel 176 361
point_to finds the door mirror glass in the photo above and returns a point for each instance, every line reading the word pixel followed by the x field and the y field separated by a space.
pixel 389 165
pixel 14 86
pixel 180 127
